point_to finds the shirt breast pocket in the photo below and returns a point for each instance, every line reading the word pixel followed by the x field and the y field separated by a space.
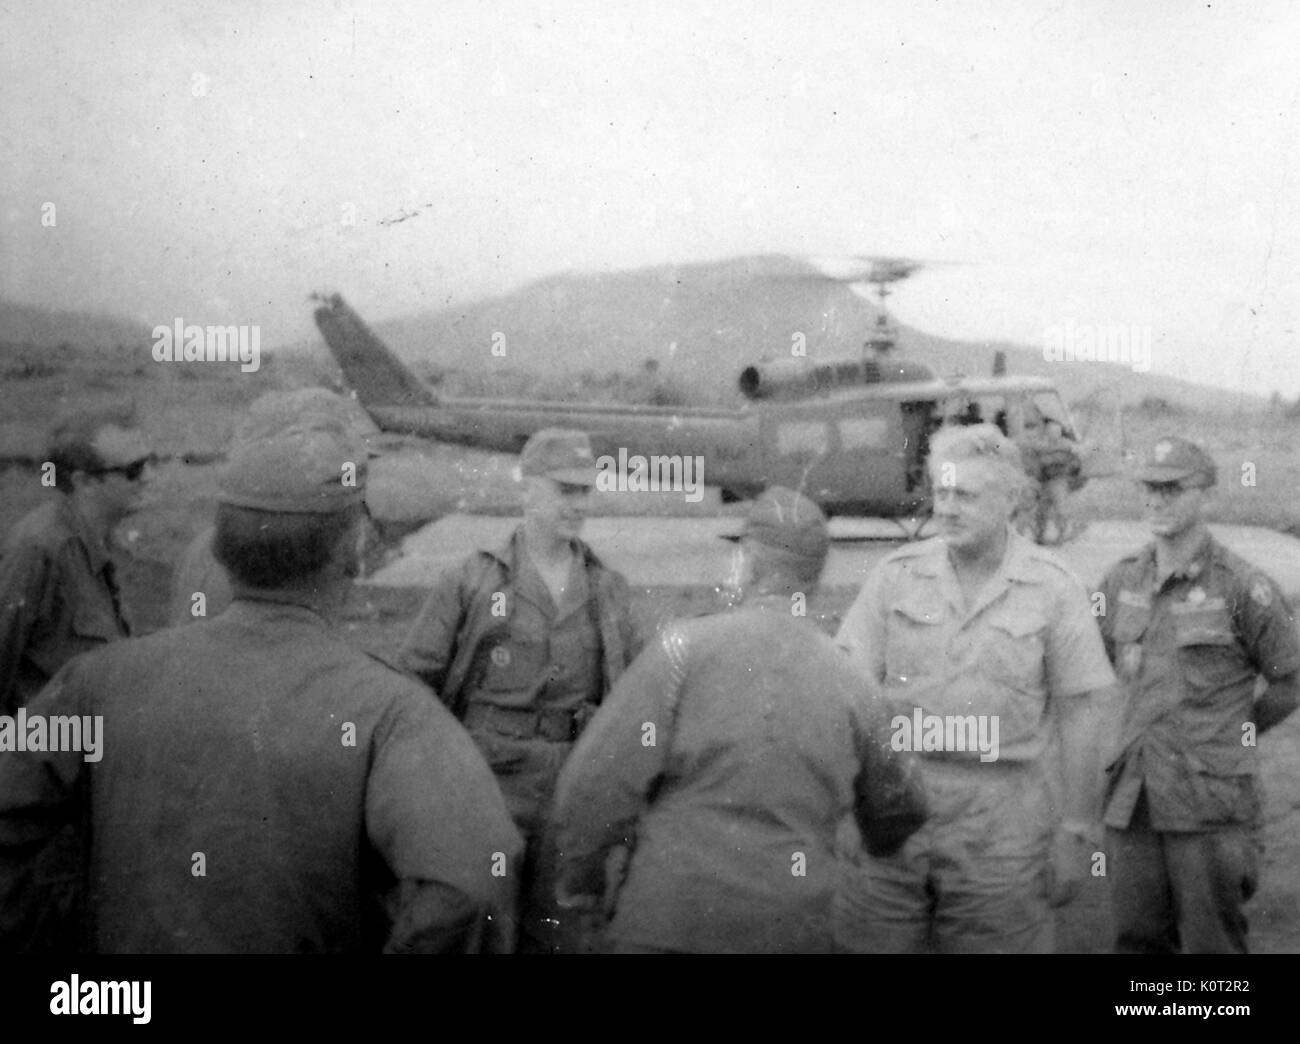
pixel 1207 649
pixel 1204 628
pixel 512 663
pixel 914 643
pixel 1016 650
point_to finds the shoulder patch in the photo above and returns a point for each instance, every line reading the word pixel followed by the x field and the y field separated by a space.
pixel 1261 592
pixel 1250 581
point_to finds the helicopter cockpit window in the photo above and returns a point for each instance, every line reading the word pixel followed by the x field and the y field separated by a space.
pixel 1050 407
pixel 804 438
pixel 961 410
pixel 994 411
pixel 863 432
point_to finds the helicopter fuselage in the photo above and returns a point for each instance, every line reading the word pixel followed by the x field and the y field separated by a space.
pixel 852 434
pixel 854 451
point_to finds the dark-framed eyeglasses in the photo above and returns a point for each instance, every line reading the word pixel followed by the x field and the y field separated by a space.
pixel 1170 490
pixel 132 471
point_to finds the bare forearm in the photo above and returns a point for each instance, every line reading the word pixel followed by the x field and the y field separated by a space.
pixel 1084 734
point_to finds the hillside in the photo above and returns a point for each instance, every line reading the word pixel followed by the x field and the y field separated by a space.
pixel 703 323
pixel 700 323
pixel 46 328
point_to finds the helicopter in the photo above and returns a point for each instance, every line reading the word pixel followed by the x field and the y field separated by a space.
pixel 850 431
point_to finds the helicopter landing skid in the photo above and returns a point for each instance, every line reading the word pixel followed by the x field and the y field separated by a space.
pixel 844 529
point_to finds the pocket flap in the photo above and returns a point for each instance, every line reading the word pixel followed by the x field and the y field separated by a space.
pixel 920 611
pixel 1212 627
pixel 1018 625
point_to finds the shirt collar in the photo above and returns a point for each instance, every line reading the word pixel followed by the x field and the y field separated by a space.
pixel 83 531
pixel 1016 567
pixel 1016 564
pixel 258 607
pixel 1197 563
pixel 508 553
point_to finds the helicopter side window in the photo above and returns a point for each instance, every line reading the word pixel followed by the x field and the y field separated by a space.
pixel 961 410
pixel 863 432
pixel 1051 408
pixel 802 438
pixel 994 411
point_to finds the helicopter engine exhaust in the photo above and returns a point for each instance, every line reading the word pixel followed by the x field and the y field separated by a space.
pixel 801 378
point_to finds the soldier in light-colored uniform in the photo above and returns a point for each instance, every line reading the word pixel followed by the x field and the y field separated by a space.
pixel 258 785
pixel 992 638
pixel 1190 627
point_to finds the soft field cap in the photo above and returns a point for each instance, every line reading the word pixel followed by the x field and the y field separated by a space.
pixel 788 521
pixel 278 412
pixel 1173 459
pixel 301 471
pixel 560 454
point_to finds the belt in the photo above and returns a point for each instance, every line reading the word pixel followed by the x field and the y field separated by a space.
pixel 558 726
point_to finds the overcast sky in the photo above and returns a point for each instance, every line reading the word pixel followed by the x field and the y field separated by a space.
pixel 1096 163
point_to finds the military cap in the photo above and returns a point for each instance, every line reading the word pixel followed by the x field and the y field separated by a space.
pixel 303 470
pixel 789 522
pixel 560 454
pixel 1172 459
pixel 92 440
pixel 277 412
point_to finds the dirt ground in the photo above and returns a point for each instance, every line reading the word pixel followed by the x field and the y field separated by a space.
pixel 184 416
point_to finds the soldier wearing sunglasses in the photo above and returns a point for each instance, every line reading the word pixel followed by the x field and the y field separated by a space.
pixel 58 593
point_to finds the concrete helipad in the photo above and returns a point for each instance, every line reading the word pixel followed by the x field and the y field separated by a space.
pixel 685 552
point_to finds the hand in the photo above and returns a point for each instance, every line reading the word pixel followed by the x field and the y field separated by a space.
pixel 579 904
pixel 1071 856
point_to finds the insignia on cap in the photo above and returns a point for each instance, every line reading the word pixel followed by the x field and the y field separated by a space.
pixel 1196 595
pixel 1261 593
pixel 1162 450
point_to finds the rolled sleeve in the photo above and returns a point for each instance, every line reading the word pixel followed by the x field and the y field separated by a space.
pixel 1075 653
pixel 862 632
